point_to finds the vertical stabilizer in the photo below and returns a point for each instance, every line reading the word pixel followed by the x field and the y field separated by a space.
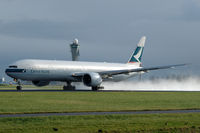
pixel 136 57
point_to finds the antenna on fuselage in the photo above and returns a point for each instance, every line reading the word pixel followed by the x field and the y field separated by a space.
pixel 75 50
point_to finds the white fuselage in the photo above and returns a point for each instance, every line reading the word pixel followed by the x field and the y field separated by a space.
pixel 52 70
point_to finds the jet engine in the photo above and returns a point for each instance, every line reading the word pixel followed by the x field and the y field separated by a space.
pixel 92 79
pixel 40 83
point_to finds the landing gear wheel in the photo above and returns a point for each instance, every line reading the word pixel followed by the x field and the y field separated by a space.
pixel 96 88
pixel 69 88
pixel 19 88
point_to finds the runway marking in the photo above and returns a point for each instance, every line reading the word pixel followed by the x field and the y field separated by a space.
pixel 100 113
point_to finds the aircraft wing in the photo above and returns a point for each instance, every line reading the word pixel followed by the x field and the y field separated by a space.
pixel 105 74
pixel 143 69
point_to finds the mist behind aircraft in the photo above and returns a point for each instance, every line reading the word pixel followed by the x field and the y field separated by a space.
pixel 181 79
pixel 187 84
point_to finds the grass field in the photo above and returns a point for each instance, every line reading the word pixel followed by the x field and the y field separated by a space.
pixel 159 123
pixel 33 102
pixel 28 102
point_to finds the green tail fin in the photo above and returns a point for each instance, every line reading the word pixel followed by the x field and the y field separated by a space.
pixel 136 57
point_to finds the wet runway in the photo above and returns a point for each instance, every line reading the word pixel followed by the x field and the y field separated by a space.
pixel 81 90
pixel 59 90
pixel 99 113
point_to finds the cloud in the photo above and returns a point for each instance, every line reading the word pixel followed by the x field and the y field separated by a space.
pixel 104 29
pixel 191 10
pixel 44 29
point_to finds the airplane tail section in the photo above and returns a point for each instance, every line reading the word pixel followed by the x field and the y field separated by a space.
pixel 136 57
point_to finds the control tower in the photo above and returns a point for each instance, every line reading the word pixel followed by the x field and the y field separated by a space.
pixel 2 80
pixel 75 50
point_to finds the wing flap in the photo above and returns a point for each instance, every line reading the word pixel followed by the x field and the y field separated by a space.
pixel 126 71
pixel 106 74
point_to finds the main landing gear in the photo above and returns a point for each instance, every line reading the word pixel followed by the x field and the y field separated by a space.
pixel 96 88
pixel 69 87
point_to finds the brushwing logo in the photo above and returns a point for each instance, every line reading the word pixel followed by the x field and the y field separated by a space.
pixel 137 55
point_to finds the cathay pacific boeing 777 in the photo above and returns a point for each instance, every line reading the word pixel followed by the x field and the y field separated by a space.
pixel 92 74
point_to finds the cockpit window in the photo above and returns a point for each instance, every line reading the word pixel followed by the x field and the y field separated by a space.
pixel 15 70
pixel 13 66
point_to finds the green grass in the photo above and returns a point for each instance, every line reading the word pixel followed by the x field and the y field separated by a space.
pixel 160 123
pixel 6 86
pixel 28 102
pixel 31 102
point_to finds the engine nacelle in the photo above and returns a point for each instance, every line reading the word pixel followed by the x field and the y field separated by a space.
pixel 92 79
pixel 40 83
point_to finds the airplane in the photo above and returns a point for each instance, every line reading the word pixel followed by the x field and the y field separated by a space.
pixel 92 74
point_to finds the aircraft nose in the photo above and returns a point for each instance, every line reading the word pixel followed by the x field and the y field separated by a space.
pixel 8 72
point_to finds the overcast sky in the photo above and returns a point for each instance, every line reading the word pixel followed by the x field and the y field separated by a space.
pixel 108 30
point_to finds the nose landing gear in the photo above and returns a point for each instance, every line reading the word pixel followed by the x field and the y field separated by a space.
pixel 18 87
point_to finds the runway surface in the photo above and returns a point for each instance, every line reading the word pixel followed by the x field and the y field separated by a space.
pixel 81 90
pixel 100 113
